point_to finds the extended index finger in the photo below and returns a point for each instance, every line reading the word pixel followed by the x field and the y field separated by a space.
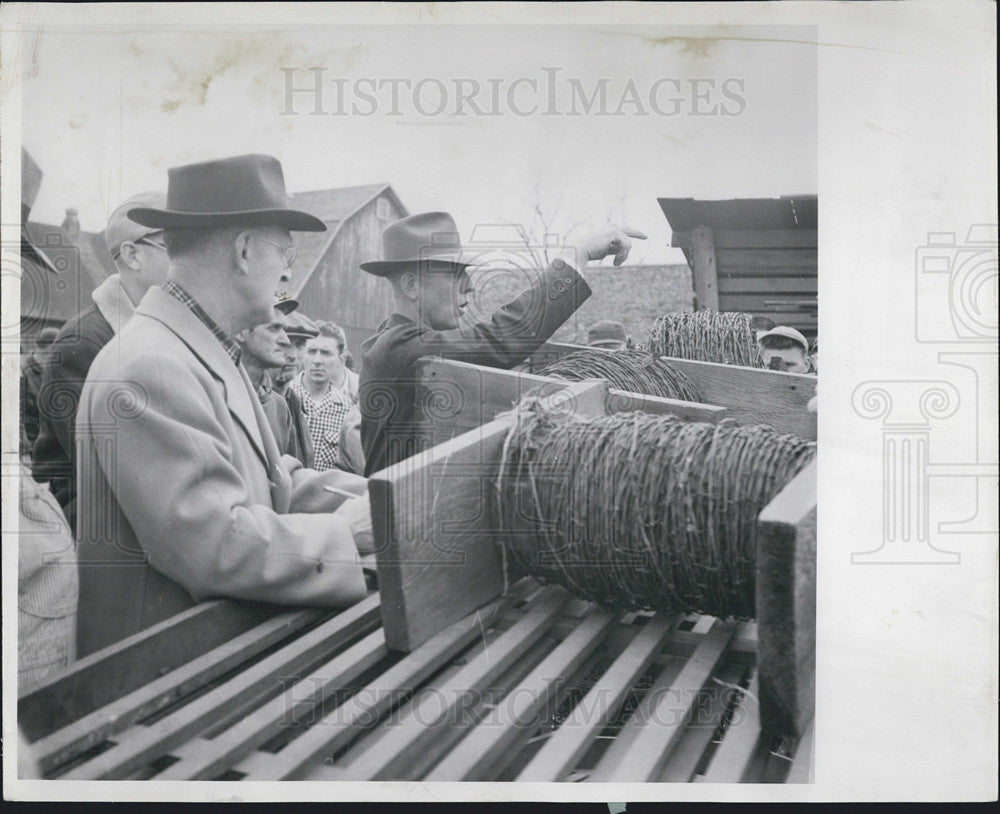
pixel 634 233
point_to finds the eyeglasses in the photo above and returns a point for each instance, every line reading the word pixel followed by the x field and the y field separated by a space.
pixel 155 244
pixel 288 252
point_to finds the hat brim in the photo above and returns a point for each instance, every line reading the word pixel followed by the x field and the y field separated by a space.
pixel 607 344
pixel 293 334
pixel 294 220
pixel 382 268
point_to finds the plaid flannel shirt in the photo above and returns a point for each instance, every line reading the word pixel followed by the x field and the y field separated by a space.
pixel 325 418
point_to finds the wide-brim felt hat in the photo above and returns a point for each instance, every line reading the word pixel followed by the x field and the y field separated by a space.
pixel 245 190
pixel 428 241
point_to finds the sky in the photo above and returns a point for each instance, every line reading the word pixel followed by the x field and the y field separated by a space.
pixel 106 112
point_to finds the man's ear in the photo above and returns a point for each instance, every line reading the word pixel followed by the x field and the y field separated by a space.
pixel 128 255
pixel 241 251
pixel 242 336
pixel 409 284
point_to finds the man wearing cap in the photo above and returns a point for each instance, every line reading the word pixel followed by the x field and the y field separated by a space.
pixel 423 261
pixel 183 493
pixel 784 348
pixel 264 350
pixel 607 335
pixel 141 260
pixel 299 329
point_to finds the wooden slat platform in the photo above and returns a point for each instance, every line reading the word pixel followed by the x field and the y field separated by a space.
pixel 535 686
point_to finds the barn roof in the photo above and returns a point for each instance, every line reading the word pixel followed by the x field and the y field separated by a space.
pixel 786 212
pixel 333 207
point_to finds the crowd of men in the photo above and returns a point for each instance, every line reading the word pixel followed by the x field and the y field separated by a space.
pixel 191 435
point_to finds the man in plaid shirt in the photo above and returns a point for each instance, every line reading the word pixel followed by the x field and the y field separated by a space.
pixel 328 390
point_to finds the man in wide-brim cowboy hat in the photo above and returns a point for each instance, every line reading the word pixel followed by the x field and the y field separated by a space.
pixel 183 494
pixel 423 260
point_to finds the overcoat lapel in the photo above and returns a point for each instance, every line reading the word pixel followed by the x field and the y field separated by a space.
pixel 239 395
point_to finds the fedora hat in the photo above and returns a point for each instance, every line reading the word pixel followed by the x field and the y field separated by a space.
pixel 430 237
pixel 243 190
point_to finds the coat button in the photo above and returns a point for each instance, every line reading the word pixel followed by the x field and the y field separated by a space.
pixel 552 295
pixel 568 280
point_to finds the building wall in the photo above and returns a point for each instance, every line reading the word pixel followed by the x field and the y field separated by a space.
pixel 339 291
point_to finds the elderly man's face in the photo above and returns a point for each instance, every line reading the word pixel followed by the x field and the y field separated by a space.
pixel 266 343
pixel 269 255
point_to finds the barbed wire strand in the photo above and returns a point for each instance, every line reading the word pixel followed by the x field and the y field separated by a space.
pixel 640 511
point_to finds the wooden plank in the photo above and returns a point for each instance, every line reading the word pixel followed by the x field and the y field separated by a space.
pixel 695 741
pixel 160 737
pixel 447 739
pixel 568 744
pixel 468 396
pixel 802 763
pixel 732 759
pixel 729 286
pixel 456 396
pixel 790 304
pixel 359 714
pixel 767 261
pixel 398 749
pixel 507 723
pixel 755 395
pixel 433 534
pixel 766 239
pixel 645 743
pixel 64 744
pixel 624 401
pixel 283 710
pixel 102 677
pixel 786 606
pixel 704 269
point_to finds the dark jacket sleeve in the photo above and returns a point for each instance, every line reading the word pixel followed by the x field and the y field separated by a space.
pixel 63 376
pixel 515 330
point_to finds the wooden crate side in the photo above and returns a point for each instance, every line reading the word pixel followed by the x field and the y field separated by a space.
pixel 786 607
pixel 434 537
pixel 109 674
pixel 755 396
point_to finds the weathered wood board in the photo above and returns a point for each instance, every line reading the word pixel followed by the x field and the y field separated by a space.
pixel 457 397
pixel 786 606
pixel 750 395
pixel 98 679
pixel 435 543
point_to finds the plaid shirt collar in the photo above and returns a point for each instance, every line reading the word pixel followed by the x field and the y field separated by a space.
pixel 228 344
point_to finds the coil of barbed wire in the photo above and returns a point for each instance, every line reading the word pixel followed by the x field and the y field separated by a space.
pixel 640 511
pixel 631 370
pixel 728 338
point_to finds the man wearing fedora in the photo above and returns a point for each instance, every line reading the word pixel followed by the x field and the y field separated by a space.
pixel 424 262
pixel 183 494
pixel 141 260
